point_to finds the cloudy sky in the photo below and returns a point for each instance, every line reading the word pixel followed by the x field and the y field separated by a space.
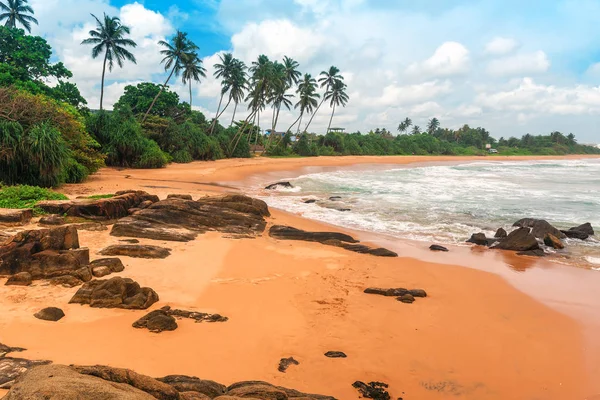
pixel 511 66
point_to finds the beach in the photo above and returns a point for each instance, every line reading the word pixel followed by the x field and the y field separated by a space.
pixel 485 330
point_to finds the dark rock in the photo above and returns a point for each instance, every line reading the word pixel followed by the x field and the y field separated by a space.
pixel 291 393
pixel 478 239
pixel 131 241
pixel 4 349
pixel 288 233
pixel 13 216
pixel 361 248
pixel 501 233
pixel 278 185
pixel 145 204
pixel 532 253
pixel 418 292
pixel 335 354
pixel 156 321
pixel 136 250
pixel 335 198
pixel 310 201
pixel 19 279
pixel 387 292
pixel 52 219
pixel 180 196
pixel 67 281
pixel 437 247
pixel 12 368
pixel 183 383
pixel 372 390
pixel 586 228
pixel 196 316
pixel 576 235
pixel 114 264
pixel 407 298
pixel 539 227
pixel 133 210
pixel 343 209
pixel 552 241
pixel 259 391
pixel 50 314
pixel 115 292
pixel 518 240
pixel 284 363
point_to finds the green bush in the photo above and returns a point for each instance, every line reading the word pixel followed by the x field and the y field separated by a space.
pixel 182 157
pixel 152 156
pixel 23 196
pixel 75 172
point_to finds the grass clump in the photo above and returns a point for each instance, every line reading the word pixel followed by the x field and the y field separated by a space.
pixel 24 196
pixel 101 196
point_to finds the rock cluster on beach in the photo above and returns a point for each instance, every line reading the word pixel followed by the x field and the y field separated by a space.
pixel 115 292
pixel 164 319
pixel 401 294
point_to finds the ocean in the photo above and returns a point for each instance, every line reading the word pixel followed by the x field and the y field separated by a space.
pixel 445 204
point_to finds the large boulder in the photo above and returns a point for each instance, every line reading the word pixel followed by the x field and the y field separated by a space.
pixel 554 242
pixel 11 368
pixel 111 265
pixel 50 314
pixel 184 383
pixel 19 279
pixel 283 232
pixel 156 321
pixel 519 240
pixel 181 220
pixel 116 292
pixel 501 233
pixel 136 250
pixel 12 216
pixel 478 239
pixel 259 391
pixel 539 227
pixel 586 228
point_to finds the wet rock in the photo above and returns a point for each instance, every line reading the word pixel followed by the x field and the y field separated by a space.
pixel 437 247
pixel 585 228
pixel 12 216
pixel 406 298
pixel 310 201
pixel 387 292
pixel 136 250
pixel 539 227
pixel 113 264
pixel 478 239
pixel 196 316
pixel 156 321
pixel 285 185
pixel 501 233
pixel 115 292
pixel 67 281
pixel 576 235
pixel 180 196
pixel 50 314
pixel 335 198
pixel 19 279
pixel 518 240
pixel 259 391
pixel 184 383
pixel 552 241
pixel 284 363
pixel 282 232
pixel 418 292
pixel 335 354
pixel 12 368
pixel 372 390
pixel 52 219
pixel 532 253
pixel 361 248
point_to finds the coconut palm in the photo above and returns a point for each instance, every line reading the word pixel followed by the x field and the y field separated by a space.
pixel 337 96
pixel 192 70
pixel 292 75
pixel 237 85
pixel 179 48
pixel 17 11
pixel 224 71
pixel 416 130
pixel 307 94
pixel 326 80
pixel 433 125
pixel 109 38
pixel 404 125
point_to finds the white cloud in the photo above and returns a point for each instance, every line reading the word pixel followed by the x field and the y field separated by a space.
pixel 451 58
pixel 594 70
pixel 519 65
pixel 394 95
pixel 501 46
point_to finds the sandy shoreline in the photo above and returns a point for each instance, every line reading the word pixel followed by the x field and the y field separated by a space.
pixel 474 337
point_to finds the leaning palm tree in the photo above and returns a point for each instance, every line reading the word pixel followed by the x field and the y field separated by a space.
pixel 326 80
pixel 16 11
pixel 192 70
pixel 109 38
pixel 433 125
pixel 404 125
pixel 237 86
pixel 307 93
pixel 337 96
pixel 224 71
pixel 174 52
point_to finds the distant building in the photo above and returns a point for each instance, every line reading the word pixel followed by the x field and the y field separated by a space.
pixel 270 132
pixel 337 130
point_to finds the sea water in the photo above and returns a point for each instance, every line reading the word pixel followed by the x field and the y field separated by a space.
pixel 447 203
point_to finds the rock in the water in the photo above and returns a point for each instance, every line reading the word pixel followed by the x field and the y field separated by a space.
pixel 282 232
pixel 284 363
pixel 501 233
pixel 113 264
pixel 406 298
pixel 387 292
pixel 518 240
pixel 11 368
pixel 552 241
pixel 180 196
pixel 184 383
pixel 115 292
pixel 586 228
pixel 136 250
pixel 156 321
pixel 478 239
pixel 278 185
pixel 310 201
pixel 19 279
pixel 67 281
pixel 335 354
pixel 52 219
pixel 437 247
pixel 539 227
pixel 576 235
pixel 13 216
pixel 372 390
pixel 532 253
pixel 50 314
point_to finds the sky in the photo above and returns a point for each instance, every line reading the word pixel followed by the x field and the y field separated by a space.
pixel 510 66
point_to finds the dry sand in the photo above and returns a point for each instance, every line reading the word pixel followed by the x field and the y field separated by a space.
pixel 475 337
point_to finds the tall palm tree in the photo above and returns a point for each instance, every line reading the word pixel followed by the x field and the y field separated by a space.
pixel 433 125
pixel 237 86
pixel 224 71
pixel 404 125
pixel 416 130
pixel 192 70
pixel 16 11
pixel 326 80
pixel 292 75
pixel 109 38
pixel 307 94
pixel 174 52
pixel 337 96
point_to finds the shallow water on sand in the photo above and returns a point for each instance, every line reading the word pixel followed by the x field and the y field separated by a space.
pixel 447 203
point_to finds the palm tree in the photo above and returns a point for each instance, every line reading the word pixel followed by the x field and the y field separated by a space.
pixel 416 130
pixel 404 125
pixel 326 80
pixel 433 125
pixel 16 11
pixel 192 70
pixel 237 85
pixel 307 93
pixel 109 37
pixel 224 71
pixel 174 52
pixel 337 97
pixel 292 75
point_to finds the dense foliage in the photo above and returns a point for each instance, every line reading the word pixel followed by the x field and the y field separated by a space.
pixel 23 196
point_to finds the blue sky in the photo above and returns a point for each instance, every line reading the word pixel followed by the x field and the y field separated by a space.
pixel 512 66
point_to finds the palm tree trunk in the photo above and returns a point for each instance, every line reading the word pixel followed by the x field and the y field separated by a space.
pixel 190 93
pixel 158 94
pixel 300 123
pixel 277 117
pixel 291 126
pixel 234 110
pixel 102 84
pixel 315 113
pixel 331 119
pixel 258 132
pixel 239 133
pixel 212 126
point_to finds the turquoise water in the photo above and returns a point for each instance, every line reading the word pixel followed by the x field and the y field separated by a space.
pixel 447 203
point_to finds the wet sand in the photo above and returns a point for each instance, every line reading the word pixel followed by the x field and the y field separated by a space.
pixel 475 336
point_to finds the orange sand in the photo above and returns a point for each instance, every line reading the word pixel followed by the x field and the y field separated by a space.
pixel 474 337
